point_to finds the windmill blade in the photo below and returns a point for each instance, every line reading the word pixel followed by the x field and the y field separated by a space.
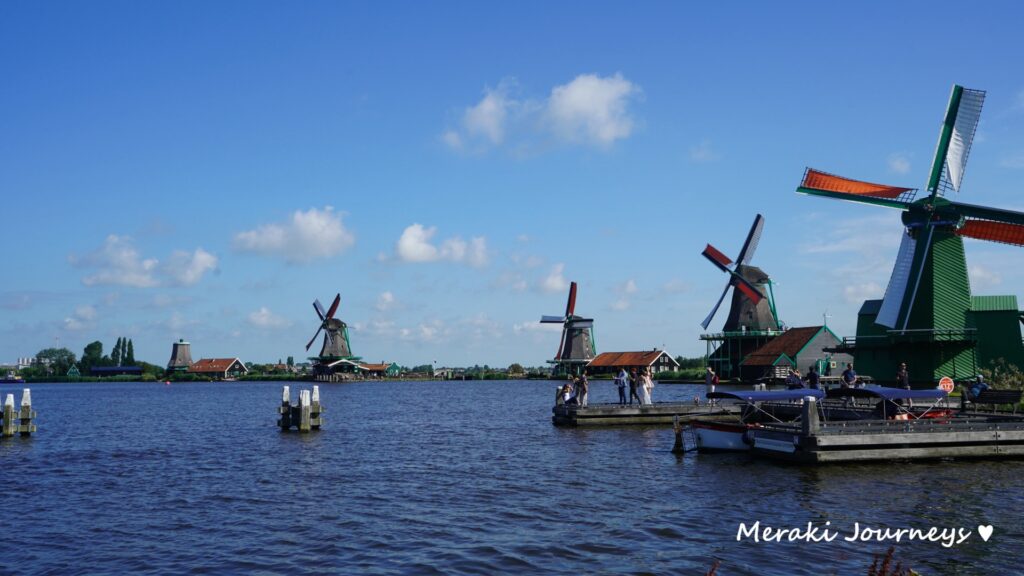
pixel 888 313
pixel 717 258
pixel 744 286
pixel 552 319
pixel 955 138
pixel 319 309
pixel 313 339
pixel 817 183
pixel 334 306
pixel 993 231
pixel 917 276
pixel 986 213
pixel 753 238
pixel 707 320
pixel 581 323
pixel 561 344
pixel 570 306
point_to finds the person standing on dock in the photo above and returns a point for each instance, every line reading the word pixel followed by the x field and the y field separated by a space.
pixel 813 380
pixel 903 381
pixel 648 385
pixel 633 383
pixel 793 381
pixel 710 381
pixel 849 377
pixel 583 387
pixel 620 383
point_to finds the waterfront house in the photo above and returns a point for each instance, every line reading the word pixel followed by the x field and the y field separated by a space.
pixel 656 360
pixel 795 348
pixel 219 368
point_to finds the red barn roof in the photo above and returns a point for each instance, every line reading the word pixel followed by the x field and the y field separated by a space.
pixel 790 343
pixel 612 359
pixel 219 365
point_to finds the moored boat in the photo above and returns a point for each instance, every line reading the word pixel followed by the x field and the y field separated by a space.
pixel 733 436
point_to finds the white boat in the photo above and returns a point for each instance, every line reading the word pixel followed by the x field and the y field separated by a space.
pixel 733 436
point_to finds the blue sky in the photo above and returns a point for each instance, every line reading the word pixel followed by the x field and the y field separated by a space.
pixel 205 170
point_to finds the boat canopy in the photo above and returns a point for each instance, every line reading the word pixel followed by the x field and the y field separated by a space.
pixel 887 393
pixel 769 395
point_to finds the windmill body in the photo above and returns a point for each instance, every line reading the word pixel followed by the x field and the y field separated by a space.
pixel 928 317
pixel 752 321
pixel 576 347
pixel 336 351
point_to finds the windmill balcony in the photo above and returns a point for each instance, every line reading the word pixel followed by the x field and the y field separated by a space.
pixel 910 336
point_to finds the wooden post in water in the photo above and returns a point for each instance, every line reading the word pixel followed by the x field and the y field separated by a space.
pixel 8 421
pixel 285 422
pixel 315 409
pixel 809 422
pixel 26 427
pixel 304 411
pixel 678 447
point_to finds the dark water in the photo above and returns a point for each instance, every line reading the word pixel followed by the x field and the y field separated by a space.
pixel 445 478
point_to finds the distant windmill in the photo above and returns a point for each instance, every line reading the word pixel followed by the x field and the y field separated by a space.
pixel 750 309
pixel 336 343
pixel 577 343
pixel 932 320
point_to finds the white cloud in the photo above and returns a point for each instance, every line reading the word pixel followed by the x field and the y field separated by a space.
pixel 531 327
pixel 414 245
pixel 264 318
pixel 385 301
pixel 555 280
pixel 187 269
pixel 857 293
pixel 119 263
pixel 306 236
pixel 898 163
pixel 589 110
pixel 81 320
pixel 86 312
pixel 675 286
pixel 592 109
pixel 703 153
pixel 487 118
pixel 983 278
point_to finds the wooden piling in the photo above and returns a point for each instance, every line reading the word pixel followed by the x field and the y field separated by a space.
pixel 315 409
pixel 285 422
pixel 678 447
pixel 304 411
pixel 8 422
pixel 25 415
pixel 809 421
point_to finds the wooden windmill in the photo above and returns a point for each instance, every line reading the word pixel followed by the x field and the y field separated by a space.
pixel 336 345
pixel 752 321
pixel 576 347
pixel 928 317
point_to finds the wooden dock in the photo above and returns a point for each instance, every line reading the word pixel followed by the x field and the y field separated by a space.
pixel 657 414
pixel 960 435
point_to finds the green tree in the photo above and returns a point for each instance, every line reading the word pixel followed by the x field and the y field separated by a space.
pixel 115 355
pixel 291 361
pixel 91 356
pixel 56 360
pixel 129 356
pixel 516 368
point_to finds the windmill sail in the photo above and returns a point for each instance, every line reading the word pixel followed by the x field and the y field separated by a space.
pixel 888 314
pixel 968 113
pixel 747 311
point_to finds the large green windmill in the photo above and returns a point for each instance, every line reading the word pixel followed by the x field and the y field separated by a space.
pixel 928 317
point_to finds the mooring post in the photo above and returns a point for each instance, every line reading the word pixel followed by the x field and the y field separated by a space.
pixel 304 414
pixel 8 423
pixel 809 422
pixel 285 422
pixel 26 427
pixel 678 447
pixel 315 409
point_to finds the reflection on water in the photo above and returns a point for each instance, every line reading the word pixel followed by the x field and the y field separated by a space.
pixel 446 477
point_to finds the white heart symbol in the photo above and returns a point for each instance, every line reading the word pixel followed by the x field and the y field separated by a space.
pixel 985 532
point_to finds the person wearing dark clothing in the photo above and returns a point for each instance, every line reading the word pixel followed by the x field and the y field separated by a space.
pixel 813 380
pixel 977 388
pixel 849 377
pixel 903 380
pixel 634 381
pixel 620 383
